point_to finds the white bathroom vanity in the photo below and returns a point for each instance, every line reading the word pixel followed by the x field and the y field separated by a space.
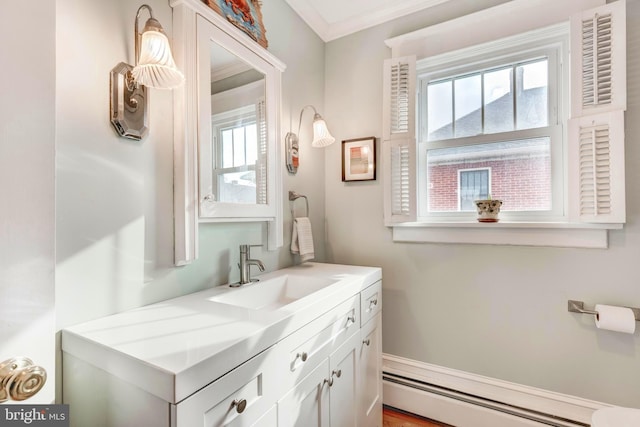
pixel 300 347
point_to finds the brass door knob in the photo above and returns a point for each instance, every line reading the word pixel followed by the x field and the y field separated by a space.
pixel 20 379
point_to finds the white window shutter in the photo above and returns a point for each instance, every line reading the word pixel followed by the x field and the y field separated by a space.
pixel 598 60
pixel 399 172
pixel 598 101
pixel 398 140
pixel 399 96
pixel 263 153
pixel 596 172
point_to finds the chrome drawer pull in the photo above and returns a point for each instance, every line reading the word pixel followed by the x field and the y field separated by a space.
pixel 351 319
pixel 366 342
pixel 373 303
pixel 302 356
pixel 335 373
pixel 240 405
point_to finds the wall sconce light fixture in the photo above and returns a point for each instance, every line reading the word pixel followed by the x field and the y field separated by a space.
pixel 154 67
pixel 321 138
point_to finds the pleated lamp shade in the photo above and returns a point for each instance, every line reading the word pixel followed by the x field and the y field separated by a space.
pixel 321 135
pixel 156 67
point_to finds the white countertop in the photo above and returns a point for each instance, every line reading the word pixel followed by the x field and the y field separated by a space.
pixel 175 347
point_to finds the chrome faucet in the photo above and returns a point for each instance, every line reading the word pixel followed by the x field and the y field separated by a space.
pixel 245 265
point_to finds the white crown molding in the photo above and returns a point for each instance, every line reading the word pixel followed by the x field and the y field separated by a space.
pixel 515 17
pixel 229 70
pixel 329 31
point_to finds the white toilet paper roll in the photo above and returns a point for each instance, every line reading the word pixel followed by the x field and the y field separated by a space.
pixel 613 318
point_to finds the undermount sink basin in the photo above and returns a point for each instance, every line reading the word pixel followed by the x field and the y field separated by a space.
pixel 274 293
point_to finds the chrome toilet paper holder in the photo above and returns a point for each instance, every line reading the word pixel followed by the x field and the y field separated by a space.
pixel 578 307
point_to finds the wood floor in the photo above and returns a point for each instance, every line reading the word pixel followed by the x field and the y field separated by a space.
pixel 391 418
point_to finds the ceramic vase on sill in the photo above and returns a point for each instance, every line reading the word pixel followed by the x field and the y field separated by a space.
pixel 488 210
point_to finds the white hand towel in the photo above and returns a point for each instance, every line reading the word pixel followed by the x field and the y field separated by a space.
pixel 302 239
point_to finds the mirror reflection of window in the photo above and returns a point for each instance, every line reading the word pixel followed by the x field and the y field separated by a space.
pixel 235 104
pixel 234 173
pixel 238 143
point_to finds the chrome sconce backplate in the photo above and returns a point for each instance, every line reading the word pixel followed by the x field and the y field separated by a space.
pixel 128 104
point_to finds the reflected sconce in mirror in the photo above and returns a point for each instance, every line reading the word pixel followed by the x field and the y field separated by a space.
pixel 154 67
pixel 321 138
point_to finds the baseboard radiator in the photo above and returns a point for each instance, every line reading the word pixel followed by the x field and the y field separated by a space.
pixel 462 399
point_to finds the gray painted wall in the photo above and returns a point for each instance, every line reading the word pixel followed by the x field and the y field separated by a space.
pixel 114 197
pixel 496 311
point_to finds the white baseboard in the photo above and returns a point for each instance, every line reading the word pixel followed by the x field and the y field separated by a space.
pixel 511 405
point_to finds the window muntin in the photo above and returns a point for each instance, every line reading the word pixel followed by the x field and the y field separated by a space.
pixel 509 104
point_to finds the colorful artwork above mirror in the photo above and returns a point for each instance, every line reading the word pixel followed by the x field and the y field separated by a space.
pixel 244 14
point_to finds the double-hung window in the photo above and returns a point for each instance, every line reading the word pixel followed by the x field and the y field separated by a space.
pixel 492 129
pixel 534 119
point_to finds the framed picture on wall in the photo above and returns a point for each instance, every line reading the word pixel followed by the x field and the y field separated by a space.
pixel 359 159
pixel 244 14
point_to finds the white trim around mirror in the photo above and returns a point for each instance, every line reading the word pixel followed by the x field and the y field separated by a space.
pixel 186 110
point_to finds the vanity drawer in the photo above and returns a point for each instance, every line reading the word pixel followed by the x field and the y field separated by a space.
pixel 239 398
pixel 370 302
pixel 304 349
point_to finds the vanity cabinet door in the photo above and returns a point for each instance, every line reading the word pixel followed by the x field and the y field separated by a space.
pixel 241 398
pixel 305 405
pixel 343 382
pixel 270 419
pixel 370 374
pixel 328 396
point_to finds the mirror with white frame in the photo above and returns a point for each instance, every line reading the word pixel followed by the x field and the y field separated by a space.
pixel 227 156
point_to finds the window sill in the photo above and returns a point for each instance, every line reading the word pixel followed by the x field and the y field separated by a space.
pixel 551 234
